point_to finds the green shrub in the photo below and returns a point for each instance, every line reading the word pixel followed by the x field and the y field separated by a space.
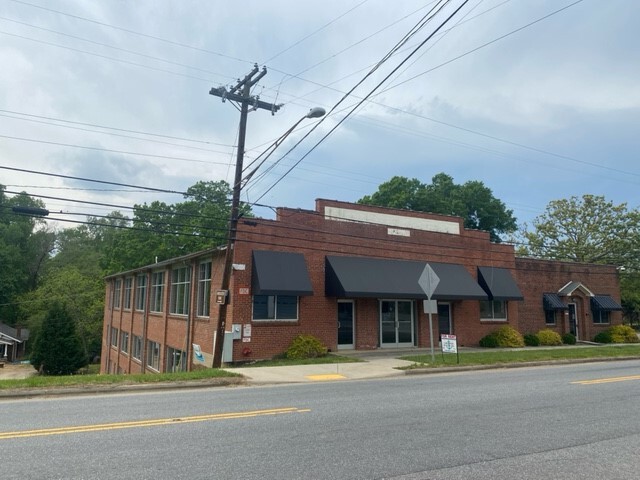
pixel 509 337
pixel 549 337
pixel 306 346
pixel 603 337
pixel 623 334
pixel 531 340
pixel 489 341
pixel 617 334
pixel 569 339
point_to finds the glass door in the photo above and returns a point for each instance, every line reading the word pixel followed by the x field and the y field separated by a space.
pixel 345 324
pixel 396 323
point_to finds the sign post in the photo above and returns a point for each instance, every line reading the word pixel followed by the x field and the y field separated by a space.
pixel 428 281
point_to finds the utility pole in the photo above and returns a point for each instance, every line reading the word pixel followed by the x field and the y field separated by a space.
pixel 241 93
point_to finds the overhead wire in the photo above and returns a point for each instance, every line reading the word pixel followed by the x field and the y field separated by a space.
pixel 372 90
pixel 306 37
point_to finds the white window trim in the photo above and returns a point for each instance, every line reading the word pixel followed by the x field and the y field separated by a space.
pixel 203 297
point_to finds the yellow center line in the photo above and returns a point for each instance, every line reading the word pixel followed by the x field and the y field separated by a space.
pixel 147 423
pixel 598 381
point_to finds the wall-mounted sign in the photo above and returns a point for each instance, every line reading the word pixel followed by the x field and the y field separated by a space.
pixel 246 331
pixel 243 291
pixel 221 296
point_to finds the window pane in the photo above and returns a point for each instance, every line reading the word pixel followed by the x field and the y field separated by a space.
pixel 261 308
pixel 287 308
pixel 485 309
pixel 499 309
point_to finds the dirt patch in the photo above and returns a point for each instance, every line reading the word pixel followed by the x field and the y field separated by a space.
pixel 16 371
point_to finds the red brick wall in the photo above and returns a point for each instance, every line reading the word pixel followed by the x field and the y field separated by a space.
pixel 309 233
pixel 536 277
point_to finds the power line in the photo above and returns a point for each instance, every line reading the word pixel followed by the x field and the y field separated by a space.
pixel 295 44
pixel 133 32
pixel 84 179
pixel 107 127
pixel 43 122
pixel 374 89
pixel 100 149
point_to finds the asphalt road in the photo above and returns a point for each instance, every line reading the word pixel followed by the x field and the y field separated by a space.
pixel 569 422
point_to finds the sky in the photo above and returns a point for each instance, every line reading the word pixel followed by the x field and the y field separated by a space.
pixel 539 100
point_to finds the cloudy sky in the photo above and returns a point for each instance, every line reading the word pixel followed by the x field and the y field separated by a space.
pixel 540 100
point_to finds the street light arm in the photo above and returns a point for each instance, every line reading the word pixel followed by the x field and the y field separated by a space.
pixel 316 112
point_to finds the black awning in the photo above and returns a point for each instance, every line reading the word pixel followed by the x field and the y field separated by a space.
pixel 604 303
pixel 456 283
pixel 280 273
pixel 498 283
pixel 376 277
pixel 552 302
pixel 372 277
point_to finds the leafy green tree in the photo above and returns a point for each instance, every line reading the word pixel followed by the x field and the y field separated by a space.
pixel 472 201
pixel 82 293
pixel 161 231
pixel 25 245
pixel 589 229
pixel 57 349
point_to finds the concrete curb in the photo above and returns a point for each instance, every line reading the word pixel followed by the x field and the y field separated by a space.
pixel 119 388
pixel 540 363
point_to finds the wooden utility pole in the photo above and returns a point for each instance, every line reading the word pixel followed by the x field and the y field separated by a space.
pixel 241 93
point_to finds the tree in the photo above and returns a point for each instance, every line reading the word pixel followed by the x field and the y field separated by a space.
pixel 25 246
pixel 57 349
pixel 472 201
pixel 589 229
pixel 162 231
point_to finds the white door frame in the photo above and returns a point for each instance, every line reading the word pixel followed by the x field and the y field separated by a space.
pixel 575 310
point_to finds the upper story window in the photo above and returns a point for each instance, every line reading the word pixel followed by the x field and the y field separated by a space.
pixel 495 310
pixel 204 289
pixel 117 292
pixel 141 292
pixel 128 287
pixel 157 292
pixel 180 291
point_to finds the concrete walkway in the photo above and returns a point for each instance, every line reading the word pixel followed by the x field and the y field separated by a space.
pixel 372 368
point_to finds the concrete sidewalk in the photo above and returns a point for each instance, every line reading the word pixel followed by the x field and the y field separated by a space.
pixel 375 367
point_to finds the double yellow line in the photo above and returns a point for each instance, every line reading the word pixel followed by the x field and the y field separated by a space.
pixel 598 381
pixel 147 423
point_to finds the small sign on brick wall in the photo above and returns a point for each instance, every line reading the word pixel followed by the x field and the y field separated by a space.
pixel 243 291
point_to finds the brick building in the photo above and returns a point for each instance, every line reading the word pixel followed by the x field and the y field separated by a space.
pixel 354 276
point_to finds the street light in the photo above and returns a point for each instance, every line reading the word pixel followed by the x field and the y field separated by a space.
pixel 223 293
pixel 315 112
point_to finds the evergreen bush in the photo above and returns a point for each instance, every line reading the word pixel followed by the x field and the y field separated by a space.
pixel 603 337
pixel 489 341
pixel 306 346
pixel 549 337
pixel 531 340
pixel 569 339
pixel 58 349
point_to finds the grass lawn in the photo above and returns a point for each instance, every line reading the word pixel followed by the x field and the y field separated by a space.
pixel 490 357
pixel 283 362
pixel 43 381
